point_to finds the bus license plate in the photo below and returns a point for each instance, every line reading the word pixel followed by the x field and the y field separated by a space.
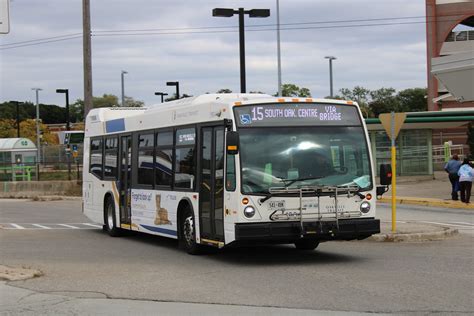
pixel 276 205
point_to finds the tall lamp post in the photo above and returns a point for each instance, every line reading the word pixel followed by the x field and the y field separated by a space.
pixel 254 13
pixel 174 83
pixel 17 117
pixel 68 128
pixel 162 95
pixel 331 58
pixel 66 91
pixel 278 47
pixel 123 86
pixel 38 149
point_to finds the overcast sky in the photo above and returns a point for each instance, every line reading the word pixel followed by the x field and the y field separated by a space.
pixel 205 58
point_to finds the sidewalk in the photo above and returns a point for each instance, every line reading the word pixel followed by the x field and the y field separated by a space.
pixel 428 192
pixel 411 231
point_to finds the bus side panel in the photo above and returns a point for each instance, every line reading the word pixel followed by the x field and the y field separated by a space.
pixel 155 212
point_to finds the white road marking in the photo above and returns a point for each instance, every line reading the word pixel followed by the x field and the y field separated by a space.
pixel 41 226
pixel 463 223
pixel 17 226
pixel 69 226
pixel 92 225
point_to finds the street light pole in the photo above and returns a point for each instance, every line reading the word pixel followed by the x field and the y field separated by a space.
pixel 123 86
pixel 162 95
pixel 278 46
pixel 38 149
pixel 331 58
pixel 17 117
pixel 254 13
pixel 66 91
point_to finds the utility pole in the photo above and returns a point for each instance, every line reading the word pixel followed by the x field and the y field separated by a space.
pixel 17 117
pixel 87 56
pixel 278 46
pixel 123 86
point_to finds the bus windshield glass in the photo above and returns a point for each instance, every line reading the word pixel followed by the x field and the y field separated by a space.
pixel 303 156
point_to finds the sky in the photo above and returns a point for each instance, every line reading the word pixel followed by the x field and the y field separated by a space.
pixel 188 45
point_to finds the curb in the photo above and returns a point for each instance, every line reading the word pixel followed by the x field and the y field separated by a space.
pixel 43 198
pixel 429 202
pixel 400 237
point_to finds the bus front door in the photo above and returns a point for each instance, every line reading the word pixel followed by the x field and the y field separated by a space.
pixel 124 178
pixel 211 187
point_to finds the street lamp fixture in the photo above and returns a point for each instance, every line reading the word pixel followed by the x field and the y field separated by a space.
pixel 162 95
pixel 174 83
pixel 331 58
pixel 66 91
pixel 254 13
pixel 123 86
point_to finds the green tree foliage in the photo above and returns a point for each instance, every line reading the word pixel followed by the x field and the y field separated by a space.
pixel 292 90
pixel 27 130
pixel 76 111
pixel 49 113
pixel 384 100
pixel 224 91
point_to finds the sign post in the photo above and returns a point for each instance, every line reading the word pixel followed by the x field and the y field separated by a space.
pixel 392 122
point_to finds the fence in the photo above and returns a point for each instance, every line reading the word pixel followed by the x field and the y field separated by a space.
pixel 57 162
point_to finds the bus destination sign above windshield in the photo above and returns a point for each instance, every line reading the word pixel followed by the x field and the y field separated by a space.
pixel 296 114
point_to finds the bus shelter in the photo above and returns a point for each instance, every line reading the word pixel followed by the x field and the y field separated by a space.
pixel 18 157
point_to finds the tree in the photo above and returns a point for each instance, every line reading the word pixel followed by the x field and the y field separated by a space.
pixel 292 90
pixel 359 95
pixel 27 130
pixel 383 100
pixel 131 102
pixel 224 91
pixel 76 110
pixel 413 100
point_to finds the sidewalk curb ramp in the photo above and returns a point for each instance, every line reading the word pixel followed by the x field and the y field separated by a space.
pixel 443 233
pixel 429 202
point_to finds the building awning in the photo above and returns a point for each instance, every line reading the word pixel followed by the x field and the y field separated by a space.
pixel 16 144
pixel 428 120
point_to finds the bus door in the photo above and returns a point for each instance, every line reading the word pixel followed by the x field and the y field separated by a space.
pixel 211 187
pixel 125 178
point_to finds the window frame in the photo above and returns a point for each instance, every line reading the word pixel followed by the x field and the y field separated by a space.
pixel 187 146
pixel 91 152
pixel 113 150
pixel 135 160
pixel 171 147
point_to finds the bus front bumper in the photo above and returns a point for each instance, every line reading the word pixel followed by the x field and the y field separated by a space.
pixel 288 232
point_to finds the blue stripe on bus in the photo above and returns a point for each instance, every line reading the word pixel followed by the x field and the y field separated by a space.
pixel 117 125
pixel 161 230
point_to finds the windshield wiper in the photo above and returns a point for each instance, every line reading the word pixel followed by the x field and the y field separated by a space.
pixel 289 182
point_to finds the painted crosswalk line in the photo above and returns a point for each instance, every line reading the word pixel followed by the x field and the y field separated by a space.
pixel 50 226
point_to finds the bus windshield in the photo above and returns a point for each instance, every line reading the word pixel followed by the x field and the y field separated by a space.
pixel 302 156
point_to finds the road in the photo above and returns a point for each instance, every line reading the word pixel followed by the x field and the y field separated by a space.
pixel 80 261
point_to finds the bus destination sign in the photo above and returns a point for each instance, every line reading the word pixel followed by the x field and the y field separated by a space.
pixel 292 114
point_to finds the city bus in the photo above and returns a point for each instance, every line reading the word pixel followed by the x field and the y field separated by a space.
pixel 229 169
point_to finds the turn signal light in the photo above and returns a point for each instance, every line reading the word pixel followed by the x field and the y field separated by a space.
pixel 245 201
pixel 368 196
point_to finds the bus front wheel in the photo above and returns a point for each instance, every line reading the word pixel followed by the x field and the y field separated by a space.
pixel 188 233
pixel 306 244
pixel 110 223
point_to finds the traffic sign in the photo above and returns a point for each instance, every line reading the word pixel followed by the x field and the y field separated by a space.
pixel 394 120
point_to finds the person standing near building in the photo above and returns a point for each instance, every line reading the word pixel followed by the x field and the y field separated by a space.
pixel 452 168
pixel 466 176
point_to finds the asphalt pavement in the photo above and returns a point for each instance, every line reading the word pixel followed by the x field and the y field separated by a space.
pixel 85 267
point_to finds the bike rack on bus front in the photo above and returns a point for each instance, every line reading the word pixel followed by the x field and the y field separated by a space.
pixel 318 191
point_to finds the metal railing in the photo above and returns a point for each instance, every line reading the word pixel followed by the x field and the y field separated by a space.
pixel 45 171
pixel 460 36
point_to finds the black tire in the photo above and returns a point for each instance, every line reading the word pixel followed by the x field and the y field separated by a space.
pixel 188 233
pixel 306 244
pixel 109 218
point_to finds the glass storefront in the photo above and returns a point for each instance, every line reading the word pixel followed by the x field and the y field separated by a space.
pixel 414 151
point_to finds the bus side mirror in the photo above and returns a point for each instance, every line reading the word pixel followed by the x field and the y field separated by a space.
pixel 232 143
pixel 385 174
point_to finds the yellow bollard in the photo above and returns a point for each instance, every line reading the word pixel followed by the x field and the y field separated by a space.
pixel 394 189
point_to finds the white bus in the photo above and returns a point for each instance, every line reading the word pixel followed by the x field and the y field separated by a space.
pixel 222 169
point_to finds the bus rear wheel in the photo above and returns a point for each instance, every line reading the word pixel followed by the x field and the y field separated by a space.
pixel 188 233
pixel 306 244
pixel 109 216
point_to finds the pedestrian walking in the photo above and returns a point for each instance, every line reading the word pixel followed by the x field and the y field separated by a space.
pixel 466 176
pixel 452 168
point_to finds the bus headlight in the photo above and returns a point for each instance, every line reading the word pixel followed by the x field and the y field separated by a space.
pixel 249 211
pixel 365 207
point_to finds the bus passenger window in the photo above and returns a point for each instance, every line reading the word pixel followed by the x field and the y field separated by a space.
pixel 111 157
pixel 145 159
pixel 96 158
pixel 185 158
